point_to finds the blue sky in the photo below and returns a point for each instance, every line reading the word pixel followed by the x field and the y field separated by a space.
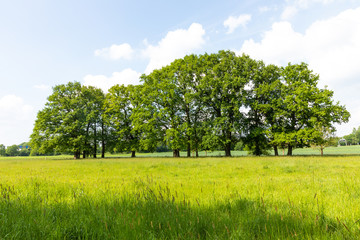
pixel 45 43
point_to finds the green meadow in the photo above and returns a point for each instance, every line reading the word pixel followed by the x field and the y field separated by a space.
pixel 299 197
pixel 334 151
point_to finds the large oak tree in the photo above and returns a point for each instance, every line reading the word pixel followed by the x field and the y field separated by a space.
pixel 70 121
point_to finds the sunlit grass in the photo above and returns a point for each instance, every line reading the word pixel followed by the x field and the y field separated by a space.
pixel 165 198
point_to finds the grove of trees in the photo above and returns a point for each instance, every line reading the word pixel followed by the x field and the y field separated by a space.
pixel 199 102
pixel 352 138
pixel 15 150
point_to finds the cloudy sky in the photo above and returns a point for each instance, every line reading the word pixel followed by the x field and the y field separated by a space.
pixel 45 43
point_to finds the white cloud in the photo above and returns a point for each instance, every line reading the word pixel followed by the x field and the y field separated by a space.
pixel 115 52
pixel 42 87
pixel 348 95
pixel 330 47
pixel 289 12
pixel 16 120
pixel 279 45
pixel 175 44
pixel 234 22
pixel 127 76
pixel 264 9
pixel 306 3
pixel 14 106
pixel 294 6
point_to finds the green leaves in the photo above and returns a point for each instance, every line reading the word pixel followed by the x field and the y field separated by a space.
pixel 200 102
pixel 70 120
pixel 120 104
pixel 302 109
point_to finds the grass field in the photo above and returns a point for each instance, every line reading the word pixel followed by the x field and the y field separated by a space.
pixel 343 150
pixel 303 197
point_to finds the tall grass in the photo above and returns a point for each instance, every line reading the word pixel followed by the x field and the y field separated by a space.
pixel 166 198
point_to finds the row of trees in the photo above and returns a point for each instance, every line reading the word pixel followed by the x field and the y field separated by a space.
pixel 352 138
pixel 15 150
pixel 200 102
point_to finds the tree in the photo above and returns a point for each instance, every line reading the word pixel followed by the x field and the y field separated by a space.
pixel 120 104
pixel 195 101
pixel 302 107
pixel 12 150
pixel 204 102
pixel 162 109
pixel 357 133
pixel 2 150
pixel 187 73
pixel 64 124
pixel 224 78
pixel 61 124
pixel 355 137
pixel 96 128
pixel 260 118
pixel 323 137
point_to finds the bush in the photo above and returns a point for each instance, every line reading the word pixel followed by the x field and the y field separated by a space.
pixel 239 146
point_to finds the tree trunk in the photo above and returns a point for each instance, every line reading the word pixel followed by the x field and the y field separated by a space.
pixel 103 149
pixel 176 153
pixel 290 148
pixel 257 148
pixel 322 150
pixel 102 139
pixel 77 154
pixel 189 148
pixel 228 149
pixel 188 125
pixel 276 151
pixel 257 141
pixel 228 144
pixel 85 154
pixel 95 143
pixel 132 154
pixel 196 144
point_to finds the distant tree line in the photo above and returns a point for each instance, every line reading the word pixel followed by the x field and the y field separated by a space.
pixel 15 150
pixel 352 138
pixel 199 102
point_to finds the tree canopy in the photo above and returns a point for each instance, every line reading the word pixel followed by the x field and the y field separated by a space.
pixel 199 102
pixel 70 121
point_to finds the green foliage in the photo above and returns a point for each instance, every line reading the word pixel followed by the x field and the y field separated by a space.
pixel 120 104
pixel 239 146
pixel 12 150
pixel 261 100
pixel 70 121
pixel 353 138
pixel 200 102
pixel 2 150
pixel 223 83
pixel 97 131
pixel 304 108
pixel 194 102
